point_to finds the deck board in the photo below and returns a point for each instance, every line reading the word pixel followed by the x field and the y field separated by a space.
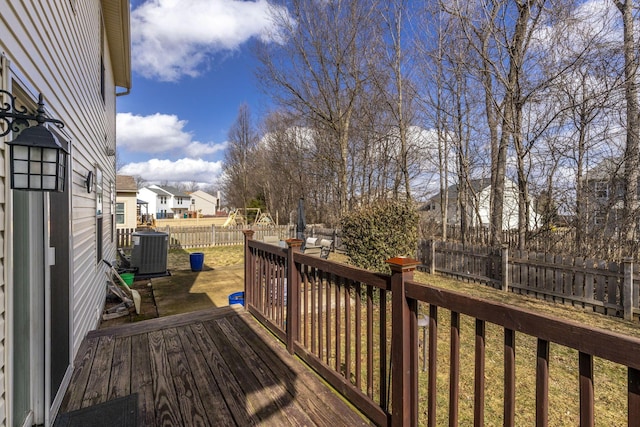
pixel 120 385
pixel 215 367
pixel 217 411
pixel 141 380
pixel 165 397
pixel 98 382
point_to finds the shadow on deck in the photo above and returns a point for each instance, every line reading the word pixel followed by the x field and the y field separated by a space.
pixel 211 367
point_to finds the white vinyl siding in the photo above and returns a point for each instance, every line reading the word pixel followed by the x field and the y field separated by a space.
pixel 55 49
pixel 203 202
pixel 4 189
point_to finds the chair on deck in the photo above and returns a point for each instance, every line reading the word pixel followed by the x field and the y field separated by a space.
pixel 325 248
pixel 316 246
pixel 272 240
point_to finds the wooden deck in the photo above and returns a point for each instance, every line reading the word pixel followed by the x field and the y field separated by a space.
pixel 215 367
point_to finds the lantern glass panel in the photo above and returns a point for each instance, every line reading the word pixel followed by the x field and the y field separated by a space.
pixel 35 182
pixel 49 168
pixel 20 166
pixel 20 181
pixel 49 154
pixel 35 168
pixel 49 182
pixel 35 153
pixel 20 152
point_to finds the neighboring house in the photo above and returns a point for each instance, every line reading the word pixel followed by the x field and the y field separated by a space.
pixel 165 202
pixel 605 194
pixel 204 203
pixel 478 210
pixel 52 281
pixel 126 202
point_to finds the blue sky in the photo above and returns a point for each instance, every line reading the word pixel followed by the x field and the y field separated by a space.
pixel 192 68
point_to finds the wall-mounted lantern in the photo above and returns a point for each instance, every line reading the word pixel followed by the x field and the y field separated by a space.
pixel 38 161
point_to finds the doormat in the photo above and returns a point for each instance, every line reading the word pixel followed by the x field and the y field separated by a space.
pixel 120 412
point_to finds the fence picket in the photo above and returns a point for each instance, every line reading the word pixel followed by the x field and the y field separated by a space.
pixel 587 283
pixel 579 277
pixel 206 236
pixel 558 285
pixel 614 284
pixel 588 279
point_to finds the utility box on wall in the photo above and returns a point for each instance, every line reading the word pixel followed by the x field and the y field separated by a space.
pixel 149 254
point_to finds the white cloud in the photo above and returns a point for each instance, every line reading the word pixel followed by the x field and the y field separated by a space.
pixel 199 149
pixel 594 22
pixel 182 170
pixel 151 134
pixel 160 133
pixel 173 38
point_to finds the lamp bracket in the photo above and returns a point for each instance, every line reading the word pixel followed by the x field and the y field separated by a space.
pixel 89 182
pixel 13 116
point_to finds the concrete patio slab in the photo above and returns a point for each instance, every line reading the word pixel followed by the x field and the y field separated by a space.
pixel 185 291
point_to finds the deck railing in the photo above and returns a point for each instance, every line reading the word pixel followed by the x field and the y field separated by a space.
pixel 344 322
pixel 337 324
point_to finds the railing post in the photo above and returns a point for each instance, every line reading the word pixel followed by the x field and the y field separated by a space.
pixel 505 267
pixel 404 349
pixel 293 294
pixel 248 264
pixel 627 293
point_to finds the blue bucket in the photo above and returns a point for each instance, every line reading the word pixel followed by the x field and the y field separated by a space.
pixel 197 261
pixel 236 298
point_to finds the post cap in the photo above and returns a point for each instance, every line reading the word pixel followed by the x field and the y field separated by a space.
pixel 402 263
pixel 292 243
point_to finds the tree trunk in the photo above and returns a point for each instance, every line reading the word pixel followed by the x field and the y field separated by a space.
pixel 631 158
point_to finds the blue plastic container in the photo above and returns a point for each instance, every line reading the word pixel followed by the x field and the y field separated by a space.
pixel 197 261
pixel 236 298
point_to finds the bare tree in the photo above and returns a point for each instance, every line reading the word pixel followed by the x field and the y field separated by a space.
pixel 631 155
pixel 238 159
pixel 319 70
pixel 398 94
pixel 140 181
pixel 192 186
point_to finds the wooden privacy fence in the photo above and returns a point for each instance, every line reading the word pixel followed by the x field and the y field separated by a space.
pixel 359 331
pixel 184 237
pixel 606 287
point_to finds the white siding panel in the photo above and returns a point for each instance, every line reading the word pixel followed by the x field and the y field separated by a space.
pixel 3 277
pixel 57 52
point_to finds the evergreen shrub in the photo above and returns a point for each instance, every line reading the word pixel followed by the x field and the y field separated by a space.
pixel 380 231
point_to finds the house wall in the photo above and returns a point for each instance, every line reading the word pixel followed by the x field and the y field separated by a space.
pixel 54 47
pixel 509 210
pixel 3 251
pixel 205 202
pixel 179 204
pixel 151 198
pixel 130 210
pixel 483 215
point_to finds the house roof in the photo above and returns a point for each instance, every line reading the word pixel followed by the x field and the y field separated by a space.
pixel 477 185
pixel 173 191
pixel 117 28
pixel 607 169
pixel 166 190
pixel 203 195
pixel 126 184
pixel 158 190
